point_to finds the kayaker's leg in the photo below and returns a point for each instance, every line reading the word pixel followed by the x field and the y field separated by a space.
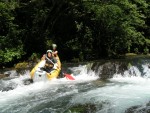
pixel 48 70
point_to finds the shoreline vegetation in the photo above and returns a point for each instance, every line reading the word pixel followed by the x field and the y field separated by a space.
pixel 21 67
pixel 32 63
pixel 83 30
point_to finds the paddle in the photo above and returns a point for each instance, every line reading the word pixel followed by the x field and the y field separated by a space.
pixel 68 76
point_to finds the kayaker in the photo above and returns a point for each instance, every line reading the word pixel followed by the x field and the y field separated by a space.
pixel 51 62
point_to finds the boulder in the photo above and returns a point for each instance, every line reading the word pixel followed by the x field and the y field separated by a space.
pixel 3 75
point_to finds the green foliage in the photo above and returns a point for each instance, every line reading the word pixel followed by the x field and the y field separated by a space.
pixel 136 50
pixel 147 42
pixel 35 57
pixel 84 28
pixel 11 43
pixel 146 50
pixel 9 54
pixel 49 44
pixel 118 24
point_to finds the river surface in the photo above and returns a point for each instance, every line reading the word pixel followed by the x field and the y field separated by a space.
pixel 86 94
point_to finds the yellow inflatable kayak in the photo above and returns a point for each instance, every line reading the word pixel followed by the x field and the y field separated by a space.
pixel 40 75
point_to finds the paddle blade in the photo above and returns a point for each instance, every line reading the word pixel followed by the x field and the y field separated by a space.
pixel 69 76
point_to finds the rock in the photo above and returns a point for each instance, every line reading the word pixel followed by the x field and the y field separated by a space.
pixel 27 81
pixel 7 89
pixel 130 54
pixel 3 75
pixel 86 108
pixel 21 65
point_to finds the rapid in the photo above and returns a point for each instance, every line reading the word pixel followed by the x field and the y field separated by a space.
pixel 121 92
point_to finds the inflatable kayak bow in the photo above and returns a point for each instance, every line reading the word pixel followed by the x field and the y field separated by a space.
pixel 38 74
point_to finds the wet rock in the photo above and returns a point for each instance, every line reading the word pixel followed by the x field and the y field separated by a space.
pixel 27 81
pixel 21 67
pixel 3 75
pixel 108 69
pixel 11 73
pixel 7 89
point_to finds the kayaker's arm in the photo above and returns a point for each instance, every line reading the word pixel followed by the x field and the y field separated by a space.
pixel 43 57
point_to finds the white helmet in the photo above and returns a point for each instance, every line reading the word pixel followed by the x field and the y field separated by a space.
pixel 49 51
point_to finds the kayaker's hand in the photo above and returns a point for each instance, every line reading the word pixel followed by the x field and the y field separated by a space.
pixel 55 66
pixel 43 57
pixel 55 53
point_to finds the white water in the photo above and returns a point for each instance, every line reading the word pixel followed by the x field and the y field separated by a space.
pixel 23 94
pixel 122 92
pixel 116 98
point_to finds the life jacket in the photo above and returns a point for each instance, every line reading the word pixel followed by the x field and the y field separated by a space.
pixel 49 64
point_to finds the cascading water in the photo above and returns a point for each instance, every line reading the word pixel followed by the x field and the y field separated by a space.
pixel 120 93
pixel 125 91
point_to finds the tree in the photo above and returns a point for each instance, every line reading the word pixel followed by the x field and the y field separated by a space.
pixel 11 43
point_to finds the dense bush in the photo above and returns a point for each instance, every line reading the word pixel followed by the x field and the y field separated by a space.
pixel 84 29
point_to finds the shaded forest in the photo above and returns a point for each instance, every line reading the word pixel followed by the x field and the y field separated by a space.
pixel 82 29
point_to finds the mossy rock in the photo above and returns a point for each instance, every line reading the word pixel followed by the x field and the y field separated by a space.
pixel 148 54
pixel 130 54
pixel 82 108
pixel 21 65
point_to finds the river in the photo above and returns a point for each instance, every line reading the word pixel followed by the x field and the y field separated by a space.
pixel 124 92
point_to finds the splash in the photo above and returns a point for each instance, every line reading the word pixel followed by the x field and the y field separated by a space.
pixel 19 89
pixel 121 92
pixel 83 73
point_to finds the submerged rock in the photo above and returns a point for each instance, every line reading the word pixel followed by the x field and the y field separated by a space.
pixel 87 108
pixel 139 109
